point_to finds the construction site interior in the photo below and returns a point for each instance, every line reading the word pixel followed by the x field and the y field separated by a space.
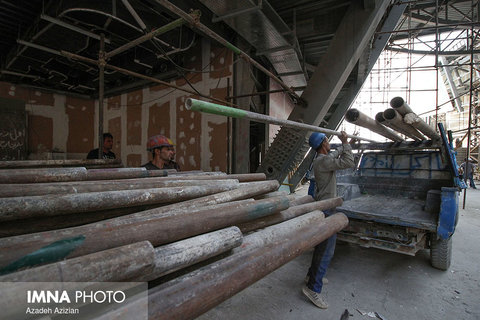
pixel 202 203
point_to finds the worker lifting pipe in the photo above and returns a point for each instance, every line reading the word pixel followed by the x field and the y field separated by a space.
pixel 207 107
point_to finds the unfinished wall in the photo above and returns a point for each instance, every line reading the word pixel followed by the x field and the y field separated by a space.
pixel 70 125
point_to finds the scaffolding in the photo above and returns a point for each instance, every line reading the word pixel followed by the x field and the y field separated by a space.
pixel 432 62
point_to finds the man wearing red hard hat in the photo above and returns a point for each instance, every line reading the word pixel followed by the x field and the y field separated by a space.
pixel 163 153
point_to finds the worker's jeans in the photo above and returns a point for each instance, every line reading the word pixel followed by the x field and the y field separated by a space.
pixel 472 183
pixel 322 255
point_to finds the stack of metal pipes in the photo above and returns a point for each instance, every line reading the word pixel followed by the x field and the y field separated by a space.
pixel 130 224
pixel 394 122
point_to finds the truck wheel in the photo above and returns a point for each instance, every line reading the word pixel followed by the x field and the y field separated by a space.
pixel 440 252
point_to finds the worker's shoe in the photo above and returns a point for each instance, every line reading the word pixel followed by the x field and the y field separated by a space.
pixel 315 297
pixel 324 279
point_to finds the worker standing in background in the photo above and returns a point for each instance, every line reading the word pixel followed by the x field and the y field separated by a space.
pixel 324 168
pixel 163 153
pixel 467 168
pixel 107 148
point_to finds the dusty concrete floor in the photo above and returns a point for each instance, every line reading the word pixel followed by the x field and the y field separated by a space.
pixel 395 286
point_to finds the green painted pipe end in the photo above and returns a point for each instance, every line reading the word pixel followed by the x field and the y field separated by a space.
pixel 212 108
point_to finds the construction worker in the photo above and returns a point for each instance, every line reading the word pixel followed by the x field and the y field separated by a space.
pixel 107 148
pixel 324 167
pixel 468 168
pixel 163 153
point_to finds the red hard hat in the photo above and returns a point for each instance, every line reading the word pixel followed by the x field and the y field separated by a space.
pixel 158 141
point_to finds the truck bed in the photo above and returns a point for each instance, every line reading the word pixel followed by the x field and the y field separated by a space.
pixel 390 210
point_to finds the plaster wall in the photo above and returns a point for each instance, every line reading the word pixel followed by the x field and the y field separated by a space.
pixel 69 126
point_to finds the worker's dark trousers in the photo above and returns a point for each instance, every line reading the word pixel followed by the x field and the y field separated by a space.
pixel 322 255
pixel 472 183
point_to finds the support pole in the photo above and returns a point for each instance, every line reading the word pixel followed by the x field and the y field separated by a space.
pixel 74 56
pixel 101 87
pixel 207 107
pixel 172 25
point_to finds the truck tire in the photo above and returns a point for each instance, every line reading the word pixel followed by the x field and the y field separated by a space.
pixel 440 252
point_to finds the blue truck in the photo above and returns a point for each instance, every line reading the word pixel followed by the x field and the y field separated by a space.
pixel 403 197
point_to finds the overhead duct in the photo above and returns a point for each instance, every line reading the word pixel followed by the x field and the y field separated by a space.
pixel 393 117
pixel 261 26
pixel 360 119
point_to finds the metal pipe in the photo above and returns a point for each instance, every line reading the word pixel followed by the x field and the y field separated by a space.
pixel 207 107
pixel 261 253
pixel 360 119
pixel 72 27
pixel 16 164
pixel 184 253
pixel 37 189
pixel 380 119
pixel 42 175
pixel 400 106
pixel 101 87
pixel 290 213
pixel 416 122
pixel 118 173
pixel 116 264
pixel 393 117
pixel 198 25
pixel 14 248
pixel 134 14
pixel 170 26
pixel 135 74
pixel 51 205
pixel 158 229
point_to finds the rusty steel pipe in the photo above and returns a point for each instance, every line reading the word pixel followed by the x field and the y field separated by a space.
pixel 301 200
pixel 13 248
pixel 193 294
pixel 138 227
pixel 184 253
pixel 416 122
pixel 290 213
pixel 42 175
pixel 400 106
pixel 360 119
pixel 87 163
pixel 116 173
pixel 36 189
pixel 244 191
pixel 35 225
pixel 116 264
pixel 50 205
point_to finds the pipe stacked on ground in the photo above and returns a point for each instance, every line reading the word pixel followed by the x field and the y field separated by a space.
pixel 261 253
pixel 360 119
pixel 148 225
pixel 88 163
